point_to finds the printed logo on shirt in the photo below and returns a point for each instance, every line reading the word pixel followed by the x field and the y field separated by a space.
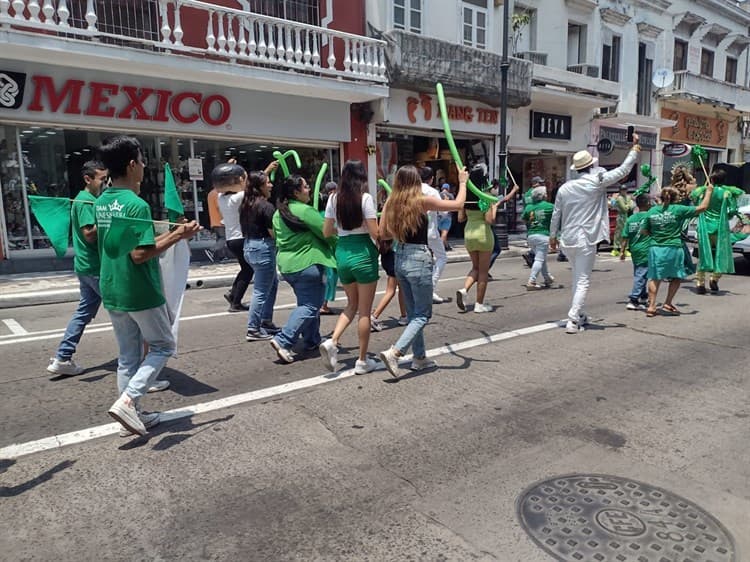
pixel 663 218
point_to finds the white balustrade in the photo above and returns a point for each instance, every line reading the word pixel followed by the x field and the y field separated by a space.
pixel 18 7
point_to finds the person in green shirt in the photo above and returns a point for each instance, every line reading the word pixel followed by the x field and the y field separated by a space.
pixel 636 243
pixel 303 254
pixel 666 257
pixel 86 267
pixel 131 285
pixel 537 214
pixel 623 204
pixel 714 240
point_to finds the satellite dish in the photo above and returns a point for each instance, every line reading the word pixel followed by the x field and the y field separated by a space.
pixel 662 78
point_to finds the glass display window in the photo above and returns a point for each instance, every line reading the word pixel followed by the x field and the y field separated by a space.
pixel 12 190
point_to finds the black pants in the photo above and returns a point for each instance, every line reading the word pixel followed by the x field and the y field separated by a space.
pixel 220 246
pixel 242 281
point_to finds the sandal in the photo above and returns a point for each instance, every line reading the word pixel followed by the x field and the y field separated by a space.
pixel 651 313
pixel 671 309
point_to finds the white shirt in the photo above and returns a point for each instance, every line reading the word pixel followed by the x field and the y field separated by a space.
pixel 581 217
pixel 368 212
pixel 229 206
pixel 432 229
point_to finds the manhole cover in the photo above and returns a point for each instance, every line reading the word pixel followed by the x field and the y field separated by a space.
pixel 606 518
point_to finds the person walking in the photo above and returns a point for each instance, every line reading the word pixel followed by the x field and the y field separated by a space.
pixel 256 216
pixel 581 220
pixel 303 254
pixel 497 246
pixel 538 215
pixel 624 205
pixel 86 267
pixel 445 218
pixel 536 181
pixel 332 277
pixel 350 213
pixel 636 243
pixel 404 219
pixel 433 235
pixel 219 250
pixel 131 285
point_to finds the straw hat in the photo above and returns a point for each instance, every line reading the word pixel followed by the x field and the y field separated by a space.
pixel 583 159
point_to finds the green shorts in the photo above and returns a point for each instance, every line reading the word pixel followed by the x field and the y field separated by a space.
pixel 356 259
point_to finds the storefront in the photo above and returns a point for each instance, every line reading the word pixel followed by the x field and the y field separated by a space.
pixel 52 119
pixel 409 130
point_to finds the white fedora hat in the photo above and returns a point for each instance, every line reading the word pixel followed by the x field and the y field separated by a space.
pixel 583 159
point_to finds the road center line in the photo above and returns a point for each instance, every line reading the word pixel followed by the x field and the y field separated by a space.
pixel 58 441
pixel 15 327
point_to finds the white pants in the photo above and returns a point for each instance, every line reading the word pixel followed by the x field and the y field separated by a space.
pixel 441 258
pixel 582 259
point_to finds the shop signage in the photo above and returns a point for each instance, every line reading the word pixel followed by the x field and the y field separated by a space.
pixel 620 138
pixel 195 169
pixel 675 150
pixel 695 129
pixel 605 146
pixel 550 126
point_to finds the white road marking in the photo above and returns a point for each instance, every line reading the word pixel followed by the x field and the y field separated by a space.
pixel 83 435
pixel 15 327
pixel 25 336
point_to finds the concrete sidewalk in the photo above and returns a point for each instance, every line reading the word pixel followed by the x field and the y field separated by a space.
pixel 30 289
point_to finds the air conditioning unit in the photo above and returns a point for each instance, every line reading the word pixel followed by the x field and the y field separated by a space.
pixel 586 69
pixel 533 56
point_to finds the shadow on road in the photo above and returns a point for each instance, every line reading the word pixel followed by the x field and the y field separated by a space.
pixel 173 433
pixel 185 385
pixel 12 491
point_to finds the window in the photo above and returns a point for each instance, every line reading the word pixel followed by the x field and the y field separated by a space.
pixel 407 14
pixel 576 44
pixel 645 70
pixel 474 22
pixel 680 55
pixel 730 74
pixel 611 60
pixel 707 62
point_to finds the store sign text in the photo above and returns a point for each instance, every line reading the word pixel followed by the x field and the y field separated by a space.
pixel 550 126
pixel 465 113
pixel 695 129
pixel 113 101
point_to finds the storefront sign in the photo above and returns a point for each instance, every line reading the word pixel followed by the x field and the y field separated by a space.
pixel 195 169
pixel 675 150
pixel 605 146
pixel 695 129
pixel 620 138
pixel 550 126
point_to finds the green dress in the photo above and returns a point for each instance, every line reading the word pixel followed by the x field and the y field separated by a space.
pixel 478 235
pixel 666 257
pixel 714 240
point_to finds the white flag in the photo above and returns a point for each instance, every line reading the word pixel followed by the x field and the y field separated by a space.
pixel 174 265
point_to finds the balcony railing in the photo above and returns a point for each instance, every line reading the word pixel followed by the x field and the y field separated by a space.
pixel 533 56
pixel 702 88
pixel 212 32
pixel 585 69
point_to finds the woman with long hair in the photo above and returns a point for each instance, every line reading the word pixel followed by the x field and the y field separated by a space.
pixel 404 219
pixel 256 214
pixel 666 258
pixel 350 213
pixel 303 253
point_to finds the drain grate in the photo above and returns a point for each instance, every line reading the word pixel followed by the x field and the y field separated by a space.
pixel 606 518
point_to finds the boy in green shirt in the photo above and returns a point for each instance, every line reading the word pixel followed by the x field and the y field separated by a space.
pixel 538 214
pixel 86 267
pixel 131 285
pixel 638 242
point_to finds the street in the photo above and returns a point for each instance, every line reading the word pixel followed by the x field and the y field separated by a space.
pixel 430 467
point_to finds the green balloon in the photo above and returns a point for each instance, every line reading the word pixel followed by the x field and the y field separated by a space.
pixel 384 184
pixel 318 181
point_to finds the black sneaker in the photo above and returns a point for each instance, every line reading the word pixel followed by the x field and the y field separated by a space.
pixel 238 308
pixel 700 289
pixel 228 297
pixel 561 257
pixel 270 328
pixel 258 335
pixel 714 286
pixel 528 257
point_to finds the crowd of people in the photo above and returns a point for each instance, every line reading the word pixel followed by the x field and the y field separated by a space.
pixel 274 231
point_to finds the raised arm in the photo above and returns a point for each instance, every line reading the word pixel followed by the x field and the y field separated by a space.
pixel 621 172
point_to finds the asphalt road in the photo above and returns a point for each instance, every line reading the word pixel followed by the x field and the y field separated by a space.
pixel 365 468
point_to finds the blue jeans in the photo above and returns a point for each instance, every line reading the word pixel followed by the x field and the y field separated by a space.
pixel 260 253
pixel 88 306
pixel 496 249
pixel 640 279
pixel 539 244
pixel 414 274
pixel 309 286
pixel 134 372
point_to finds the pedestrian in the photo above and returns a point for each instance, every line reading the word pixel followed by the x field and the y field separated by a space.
pixel 86 267
pixel 350 213
pixel 538 215
pixel 624 205
pixel 404 219
pixel 303 254
pixel 259 251
pixel 581 221
pixel 219 250
pixel 445 218
pixel 636 244
pixel 131 286
pixel 433 235
pixel 536 181
pixel 332 277
pixel 497 246
pixel 388 263
pixel 666 258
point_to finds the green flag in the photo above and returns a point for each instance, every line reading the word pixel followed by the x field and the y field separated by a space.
pixel 53 215
pixel 172 200
pixel 124 235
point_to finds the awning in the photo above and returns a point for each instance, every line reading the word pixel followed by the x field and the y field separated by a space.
pixel 638 121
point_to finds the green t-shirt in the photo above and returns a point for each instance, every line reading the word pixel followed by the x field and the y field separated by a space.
pixel 538 217
pixel 127 286
pixel 638 241
pixel 86 261
pixel 296 251
pixel 665 226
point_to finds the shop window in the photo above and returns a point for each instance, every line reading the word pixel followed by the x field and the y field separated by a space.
pixel 474 23
pixel 680 55
pixel 730 73
pixel 645 71
pixel 13 194
pixel 407 15
pixel 576 44
pixel 611 60
pixel 707 63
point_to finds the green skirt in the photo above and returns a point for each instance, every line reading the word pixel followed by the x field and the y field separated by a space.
pixel 667 262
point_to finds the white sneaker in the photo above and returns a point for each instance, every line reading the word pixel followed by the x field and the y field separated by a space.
pixel 390 360
pixel 284 354
pixel 329 354
pixel 127 415
pixel 422 364
pixel 148 420
pixel 548 282
pixel 403 321
pixel 364 367
pixel 375 325
pixel 437 299
pixel 59 367
pixel 460 296
pixel 158 386
pixel 573 327
pixel 481 307
pixel 532 286
pixel 635 306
